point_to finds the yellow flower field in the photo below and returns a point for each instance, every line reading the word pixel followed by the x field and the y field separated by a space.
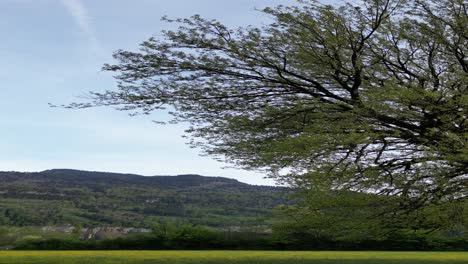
pixel 230 257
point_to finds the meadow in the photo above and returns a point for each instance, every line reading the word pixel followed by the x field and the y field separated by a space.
pixel 230 257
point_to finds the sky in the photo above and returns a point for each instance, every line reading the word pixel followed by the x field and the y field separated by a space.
pixel 52 52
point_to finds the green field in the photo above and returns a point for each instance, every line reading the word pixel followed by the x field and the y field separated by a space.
pixel 228 257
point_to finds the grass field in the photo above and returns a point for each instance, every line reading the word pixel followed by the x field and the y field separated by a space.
pixel 229 257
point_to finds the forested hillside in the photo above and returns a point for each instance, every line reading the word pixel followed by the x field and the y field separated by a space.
pixel 59 197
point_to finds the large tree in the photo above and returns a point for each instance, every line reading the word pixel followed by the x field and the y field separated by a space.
pixel 367 97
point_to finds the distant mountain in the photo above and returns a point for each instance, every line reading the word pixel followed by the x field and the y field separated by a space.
pixel 61 196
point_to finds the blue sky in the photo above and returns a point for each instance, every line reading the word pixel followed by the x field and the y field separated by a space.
pixel 52 51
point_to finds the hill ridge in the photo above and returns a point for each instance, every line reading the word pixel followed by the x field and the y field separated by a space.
pixel 106 173
pixel 65 196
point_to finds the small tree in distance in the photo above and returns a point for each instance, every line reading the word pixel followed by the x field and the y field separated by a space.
pixel 368 97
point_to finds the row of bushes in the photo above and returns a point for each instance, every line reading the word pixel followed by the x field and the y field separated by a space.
pixel 196 238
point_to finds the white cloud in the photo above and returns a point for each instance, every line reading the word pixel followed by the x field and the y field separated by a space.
pixel 78 11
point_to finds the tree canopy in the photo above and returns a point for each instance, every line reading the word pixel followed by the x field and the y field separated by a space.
pixel 367 97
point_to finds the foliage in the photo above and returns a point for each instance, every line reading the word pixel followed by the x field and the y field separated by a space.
pixel 196 238
pixel 367 97
pixel 345 215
